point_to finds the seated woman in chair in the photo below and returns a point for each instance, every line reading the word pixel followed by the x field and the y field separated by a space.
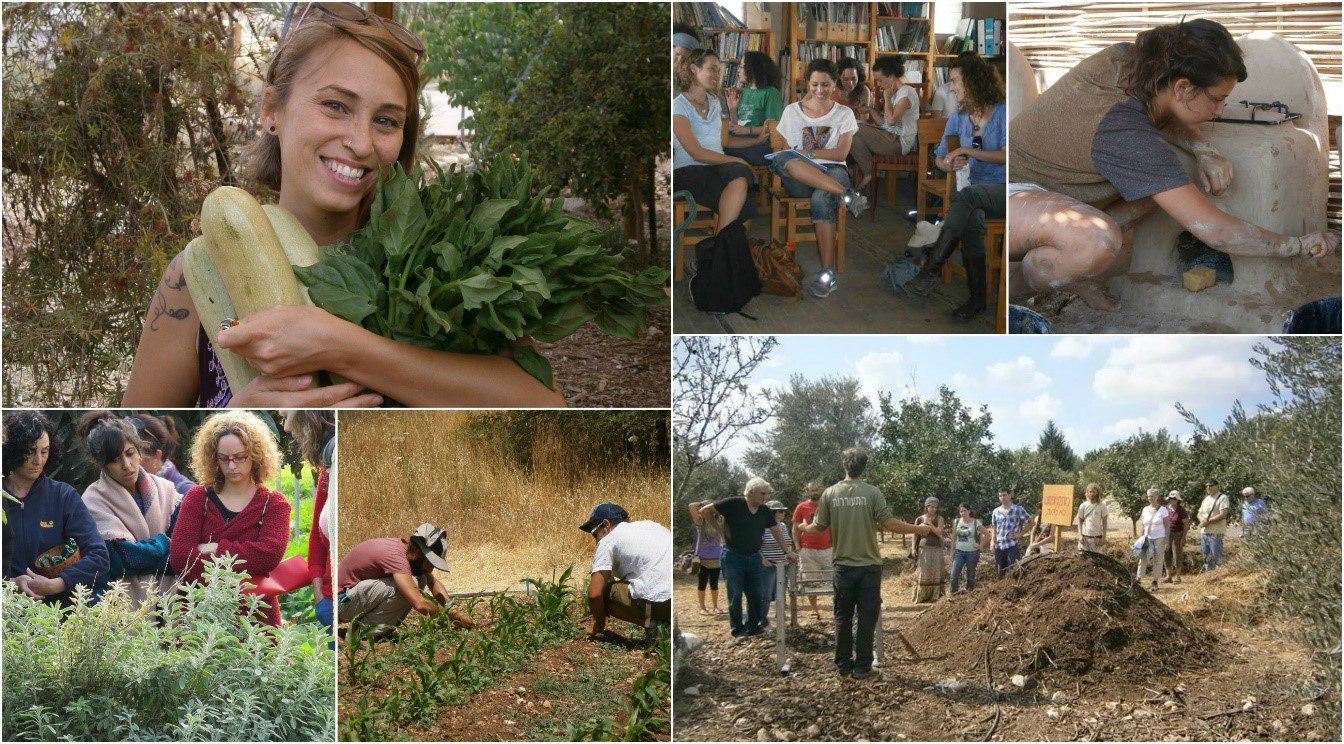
pixel 819 132
pixel 699 165
pixel 1093 155
pixel 750 106
pixel 895 124
pixel 981 126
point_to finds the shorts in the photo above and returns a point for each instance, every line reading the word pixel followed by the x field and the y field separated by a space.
pixel 707 182
pixel 618 595
pixel 815 560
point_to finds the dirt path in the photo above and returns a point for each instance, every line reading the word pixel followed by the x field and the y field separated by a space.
pixel 741 695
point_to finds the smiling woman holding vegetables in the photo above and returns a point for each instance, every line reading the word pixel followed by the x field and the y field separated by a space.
pixel 340 104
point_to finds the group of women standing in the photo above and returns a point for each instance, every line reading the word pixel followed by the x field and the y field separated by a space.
pixel 838 119
pixel 141 524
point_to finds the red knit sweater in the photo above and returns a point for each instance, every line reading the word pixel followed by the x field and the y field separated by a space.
pixel 258 541
pixel 319 547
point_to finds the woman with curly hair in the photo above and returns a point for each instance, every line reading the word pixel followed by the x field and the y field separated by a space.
pixel 315 432
pixel 51 543
pixel 981 127
pixel 700 162
pixel 1092 155
pixel 750 106
pixel 232 512
pixel 132 507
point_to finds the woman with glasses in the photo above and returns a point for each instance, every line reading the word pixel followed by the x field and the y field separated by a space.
pixel 132 507
pixel 232 512
pixel 980 127
pixel 51 544
pixel 1093 155
pixel 339 107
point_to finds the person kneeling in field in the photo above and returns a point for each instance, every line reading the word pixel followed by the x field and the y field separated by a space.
pixel 639 556
pixel 382 580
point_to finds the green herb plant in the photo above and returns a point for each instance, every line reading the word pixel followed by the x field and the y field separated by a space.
pixel 472 261
pixel 189 667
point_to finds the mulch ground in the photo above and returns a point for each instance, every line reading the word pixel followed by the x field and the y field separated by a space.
pixel 597 370
pixel 1128 666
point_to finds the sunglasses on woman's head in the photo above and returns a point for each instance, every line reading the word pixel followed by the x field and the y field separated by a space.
pixel 354 13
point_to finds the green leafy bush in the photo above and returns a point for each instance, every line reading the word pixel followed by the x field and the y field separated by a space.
pixel 187 668
pixel 119 118
pixel 471 262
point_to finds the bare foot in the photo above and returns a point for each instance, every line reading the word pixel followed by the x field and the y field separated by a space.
pixel 1094 294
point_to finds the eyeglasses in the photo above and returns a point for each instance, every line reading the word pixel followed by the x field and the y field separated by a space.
pixel 232 460
pixel 355 14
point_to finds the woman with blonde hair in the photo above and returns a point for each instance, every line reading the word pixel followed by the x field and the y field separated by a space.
pixel 232 512
pixel 340 106
pixel 132 507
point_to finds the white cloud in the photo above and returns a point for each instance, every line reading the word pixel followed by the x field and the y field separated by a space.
pixel 1020 375
pixel 1040 409
pixel 882 371
pixel 1165 417
pixel 1178 368
pixel 1073 347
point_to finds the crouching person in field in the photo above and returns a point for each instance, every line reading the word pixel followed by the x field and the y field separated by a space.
pixel 382 580
pixel 632 571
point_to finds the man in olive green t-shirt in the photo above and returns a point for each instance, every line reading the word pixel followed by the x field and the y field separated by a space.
pixel 854 511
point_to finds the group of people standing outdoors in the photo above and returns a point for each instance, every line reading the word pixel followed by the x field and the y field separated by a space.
pixel 826 143
pixel 142 524
pixel 743 538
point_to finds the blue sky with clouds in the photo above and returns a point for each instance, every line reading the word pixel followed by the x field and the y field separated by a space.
pixel 1097 389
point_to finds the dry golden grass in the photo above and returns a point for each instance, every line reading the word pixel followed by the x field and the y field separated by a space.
pixel 397 469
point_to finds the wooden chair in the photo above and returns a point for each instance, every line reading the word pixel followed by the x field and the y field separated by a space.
pixel 891 166
pixel 701 228
pixel 791 216
pixel 995 246
pixel 929 181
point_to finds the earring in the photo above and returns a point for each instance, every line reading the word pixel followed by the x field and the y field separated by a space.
pixel 346 143
pixel 272 129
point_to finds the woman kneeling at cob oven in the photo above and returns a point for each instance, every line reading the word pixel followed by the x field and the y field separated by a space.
pixel 340 106
pixel 232 512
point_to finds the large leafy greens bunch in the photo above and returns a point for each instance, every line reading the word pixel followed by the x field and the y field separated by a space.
pixel 472 261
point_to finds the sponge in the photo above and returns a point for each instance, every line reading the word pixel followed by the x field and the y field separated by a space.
pixel 1199 278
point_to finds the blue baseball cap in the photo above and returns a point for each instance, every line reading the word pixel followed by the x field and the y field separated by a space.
pixel 614 512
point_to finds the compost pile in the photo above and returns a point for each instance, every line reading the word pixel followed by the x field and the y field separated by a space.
pixel 1069 613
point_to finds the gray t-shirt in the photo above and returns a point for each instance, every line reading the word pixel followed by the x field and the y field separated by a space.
pixel 1130 153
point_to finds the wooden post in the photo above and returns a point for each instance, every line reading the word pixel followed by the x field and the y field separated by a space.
pixel 781 589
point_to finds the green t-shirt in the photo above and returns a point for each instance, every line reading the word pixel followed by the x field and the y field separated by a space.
pixel 759 104
pixel 853 510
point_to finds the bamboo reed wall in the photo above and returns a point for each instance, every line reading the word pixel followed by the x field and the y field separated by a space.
pixel 1059 35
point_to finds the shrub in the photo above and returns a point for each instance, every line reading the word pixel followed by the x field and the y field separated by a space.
pixel 119 118
pixel 187 668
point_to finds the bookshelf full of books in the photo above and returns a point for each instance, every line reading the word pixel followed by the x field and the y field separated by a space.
pixel 727 35
pixel 867 31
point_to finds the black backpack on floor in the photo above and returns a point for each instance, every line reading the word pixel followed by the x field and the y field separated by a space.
pixel 725 276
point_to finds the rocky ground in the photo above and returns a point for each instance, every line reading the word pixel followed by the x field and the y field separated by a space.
pixel 1189 662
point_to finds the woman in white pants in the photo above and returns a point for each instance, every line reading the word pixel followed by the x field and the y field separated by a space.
pixel 1155 519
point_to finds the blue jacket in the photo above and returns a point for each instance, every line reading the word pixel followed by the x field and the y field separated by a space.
pixel 52 513
pixel 994 135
